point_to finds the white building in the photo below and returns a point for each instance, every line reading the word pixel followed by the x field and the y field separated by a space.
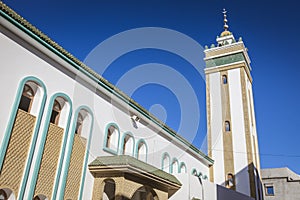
pixel 66 133
pixel 280 183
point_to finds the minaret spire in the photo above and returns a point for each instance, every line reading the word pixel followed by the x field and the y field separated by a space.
pixel 226 36
pixel 225 20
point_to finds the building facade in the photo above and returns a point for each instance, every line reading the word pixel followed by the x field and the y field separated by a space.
pixel 66 133
pixel 280 183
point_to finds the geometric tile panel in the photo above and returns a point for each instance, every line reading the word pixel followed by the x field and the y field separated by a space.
pixel 17 151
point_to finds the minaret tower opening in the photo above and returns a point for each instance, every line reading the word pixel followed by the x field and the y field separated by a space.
pixel 232 137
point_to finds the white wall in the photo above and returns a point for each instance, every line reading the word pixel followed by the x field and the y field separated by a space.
pixel 238 131
pixel 18 63
pixel 216 127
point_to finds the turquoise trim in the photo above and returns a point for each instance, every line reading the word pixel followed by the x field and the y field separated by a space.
pixel 109 150
pixel 103 83
pixel 194 172
pixel 180 167
pixel 10 125
pixel 175 160
pixel 123 140
pixel 137 148
pixel 69 151
pixel 43 141
pixel 85 166
pixel 166 154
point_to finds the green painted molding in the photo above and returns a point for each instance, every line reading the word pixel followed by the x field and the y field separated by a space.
pixel 9 128
pixel 67 157
pixel 40 150
pixel 105 148
pixel 137 148
pixel 173 161
pixel 182 164
pixel 128 133
pixel 225 60
pixel 165 155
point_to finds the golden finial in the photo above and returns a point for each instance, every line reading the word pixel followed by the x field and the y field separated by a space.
pixel 225 20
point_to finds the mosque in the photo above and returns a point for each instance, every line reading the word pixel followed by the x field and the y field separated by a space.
pixel 56 111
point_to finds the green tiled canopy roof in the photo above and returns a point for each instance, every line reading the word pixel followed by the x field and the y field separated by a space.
pixel 124 160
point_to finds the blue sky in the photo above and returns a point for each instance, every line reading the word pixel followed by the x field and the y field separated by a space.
pixel 269 29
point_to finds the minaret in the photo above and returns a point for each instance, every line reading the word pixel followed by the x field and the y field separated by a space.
pixel 232 138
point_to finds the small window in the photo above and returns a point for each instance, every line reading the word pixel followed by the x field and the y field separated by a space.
pixel 224 79
pixel 227 126
pixel 269 190
pixel 142 151
pixel 111 141
pixel 110 132
pixel 166 162
pixel 182 168
pixel 175 168
pixel 79 124
pixel 194 172
pixel 128 145
pixel 26 99
pixel 230 183
pixel 55 112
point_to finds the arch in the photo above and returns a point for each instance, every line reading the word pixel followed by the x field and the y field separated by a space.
pixel 224 79
pixel 111 138
pixel 127 144
pixel 86 128
pixel 230 182
pixel 141 150
pixel 64 121
pixel 182 168
pixel 165 162
pixel 7 194
pixel 40 197
pixel 70 145
pixel 227 126
pixel 145 192
pixel 37 109
pixel 175 166
pixel 194 172
pixel 26 98
pixel 109 189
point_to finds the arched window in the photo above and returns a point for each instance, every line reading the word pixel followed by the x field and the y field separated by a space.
pixel 109 189
pixel 40 197
pixel 55 112
pixel 6 194
pixel 182 168
pixel 142 151
pixel 230 183
pixel 224 79
pixel 227 126
pixel 79 124
pixel 27 98
pixel 175 166
pixel 166 163
pixel 3 195
pixel 194 172
pixel 128 145
pixel 111 140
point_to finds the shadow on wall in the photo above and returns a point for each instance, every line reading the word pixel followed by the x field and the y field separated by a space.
pixel 227 194
pixel 241 185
